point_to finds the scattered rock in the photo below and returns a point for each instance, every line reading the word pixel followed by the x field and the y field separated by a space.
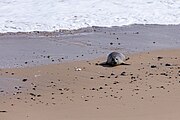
pixel 165 74
pixel 3 111
pixel 32 94
pixel 111 43
pixel 123 74
pixel 153 66
pixel 102 76
pixel 112 74
pixel 167 64
pixel 159 58
pixel 100 87
pixel 162 87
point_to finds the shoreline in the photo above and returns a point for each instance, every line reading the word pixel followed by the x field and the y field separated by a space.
pixel 32 49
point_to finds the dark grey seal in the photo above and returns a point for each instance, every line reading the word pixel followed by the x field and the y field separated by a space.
pixel 115 58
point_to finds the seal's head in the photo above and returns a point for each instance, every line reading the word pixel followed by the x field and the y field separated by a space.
pixel 116 61
pixel 115 58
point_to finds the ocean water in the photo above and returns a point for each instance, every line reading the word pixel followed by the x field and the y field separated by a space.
pixel 52 15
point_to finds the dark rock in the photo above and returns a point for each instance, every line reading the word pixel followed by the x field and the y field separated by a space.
pixel 153 66
pixel 112 74
pixel 100 87
pixel 167 64
pixel 123 74
pixel 32 94
pixel 24 80
pixel 165 74
pixel 3 111
pixel 102 76
pixel 160 58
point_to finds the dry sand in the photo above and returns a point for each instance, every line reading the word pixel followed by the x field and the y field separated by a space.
pixel 148 89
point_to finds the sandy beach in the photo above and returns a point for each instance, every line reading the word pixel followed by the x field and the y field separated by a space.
pixel 80 88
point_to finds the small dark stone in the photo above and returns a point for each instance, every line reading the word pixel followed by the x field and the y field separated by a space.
pixel 116 76
pixel 100 87
pixel 3 111
pixel 32 94
pixel 112 74
pixel 164 74
pixel 167 64
pixel 116 82
pixel 153 66
pixel 123 74
pixel 162 87
pixel 111 43
pixel 93 89
pixel 38 95
pixel 24 80
pixel 26 62
pixel 102 76
pixel 160 58
pixel 91 78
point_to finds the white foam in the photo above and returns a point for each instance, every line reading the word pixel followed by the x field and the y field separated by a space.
pixel 50 15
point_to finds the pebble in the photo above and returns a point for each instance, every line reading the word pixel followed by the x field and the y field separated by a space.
pixel 78 69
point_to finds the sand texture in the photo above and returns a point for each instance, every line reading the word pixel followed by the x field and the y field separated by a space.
pixel 147 89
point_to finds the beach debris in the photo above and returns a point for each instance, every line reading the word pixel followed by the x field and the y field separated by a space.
pixel 38 75
pixel 77 69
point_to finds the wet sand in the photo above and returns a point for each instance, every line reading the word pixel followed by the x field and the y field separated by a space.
pixel 146 89
pixel 38 48
pixel 57 87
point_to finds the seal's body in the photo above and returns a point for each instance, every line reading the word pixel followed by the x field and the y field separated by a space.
pixel 115 58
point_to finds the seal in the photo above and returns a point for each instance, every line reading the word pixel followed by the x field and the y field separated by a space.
pixel 115 58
